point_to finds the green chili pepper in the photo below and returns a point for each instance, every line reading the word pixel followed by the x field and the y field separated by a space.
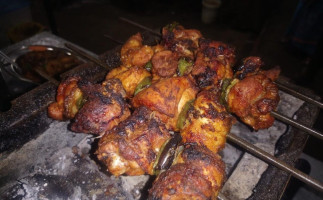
pixel 80 102
pixel 183 66
pixel 182 115
pixel 143 84
pixel 149 66
pixel 227 84
pixel 172 26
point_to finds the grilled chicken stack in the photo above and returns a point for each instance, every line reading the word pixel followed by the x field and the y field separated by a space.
pixel 183 86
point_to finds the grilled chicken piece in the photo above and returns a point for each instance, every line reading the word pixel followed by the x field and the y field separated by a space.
pixel 129 77
pixel 254 96
pixel 180 40
pixel 167 98
pixel 197 174
pixel 207 122
pixel 133 146
pixel 104 108
pixel 213 63
pixel 69 100
pixel 164 63
pixel 134 53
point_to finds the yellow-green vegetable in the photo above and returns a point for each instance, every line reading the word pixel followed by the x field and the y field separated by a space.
pixel 143 84
pixel 183 66
pixel 149 66
pixel 182 115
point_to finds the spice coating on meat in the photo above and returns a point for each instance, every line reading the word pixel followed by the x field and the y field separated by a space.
pixel 129 77
pixel 198 174
pixel 213 63
pixel 254 96
pixel 167 97
pixel 134 53
pixel 104 109
pixel 180 40
pixel 132 147
pixel 69 99
pixel 207 122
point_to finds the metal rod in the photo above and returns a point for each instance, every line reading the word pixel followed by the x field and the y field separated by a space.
pixel 111 38
pixel 263 155
pixel 299 95
pixel 87 56
pixel 140 26
pixel 298 125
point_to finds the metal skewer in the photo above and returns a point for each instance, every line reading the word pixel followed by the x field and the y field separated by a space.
pixel 299 95
pixel 87 56
pixel 298 125
pixel 111 38
pixel 274 161
pixel 140 26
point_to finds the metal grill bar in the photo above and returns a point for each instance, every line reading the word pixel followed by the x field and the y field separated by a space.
pixel 299 95
pixel 140 26
pixel 87 56
pixel 298 125
pixel 275 162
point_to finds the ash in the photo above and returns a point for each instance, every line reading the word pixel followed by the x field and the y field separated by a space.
pixel 60 164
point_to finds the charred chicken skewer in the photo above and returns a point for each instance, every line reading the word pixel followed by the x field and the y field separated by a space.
pixel 133 145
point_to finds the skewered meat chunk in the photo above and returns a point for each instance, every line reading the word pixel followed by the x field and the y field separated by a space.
pixel 213 63
pixel 167 98
pixel 254 96
pixel 104 109
pixel 207 122
pixel 197 174
pixel 180 40
pixel 164 63
pixel 129 77
pixel 69 100
pixel 132 147
pixel 134 53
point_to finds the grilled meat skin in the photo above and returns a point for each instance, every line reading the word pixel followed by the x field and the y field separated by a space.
pixel 104 109
pixel 134 53
pixel 207 122
pixel 198 174
pixel 167 98
pixel 132 147
pixel 214 61
pixel 129 77
pixel 180 40
pixel 69 99
pixel 254 96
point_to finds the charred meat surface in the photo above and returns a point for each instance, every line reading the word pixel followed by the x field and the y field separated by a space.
pixel 167 97
pixel 198 174
pixel 180 40
pixel 129 77
pixel 104 109
pixel 207 122
pixel 213 63
pixel 254 96
pixel 132 147
pixel 134 53
pixel 69 100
